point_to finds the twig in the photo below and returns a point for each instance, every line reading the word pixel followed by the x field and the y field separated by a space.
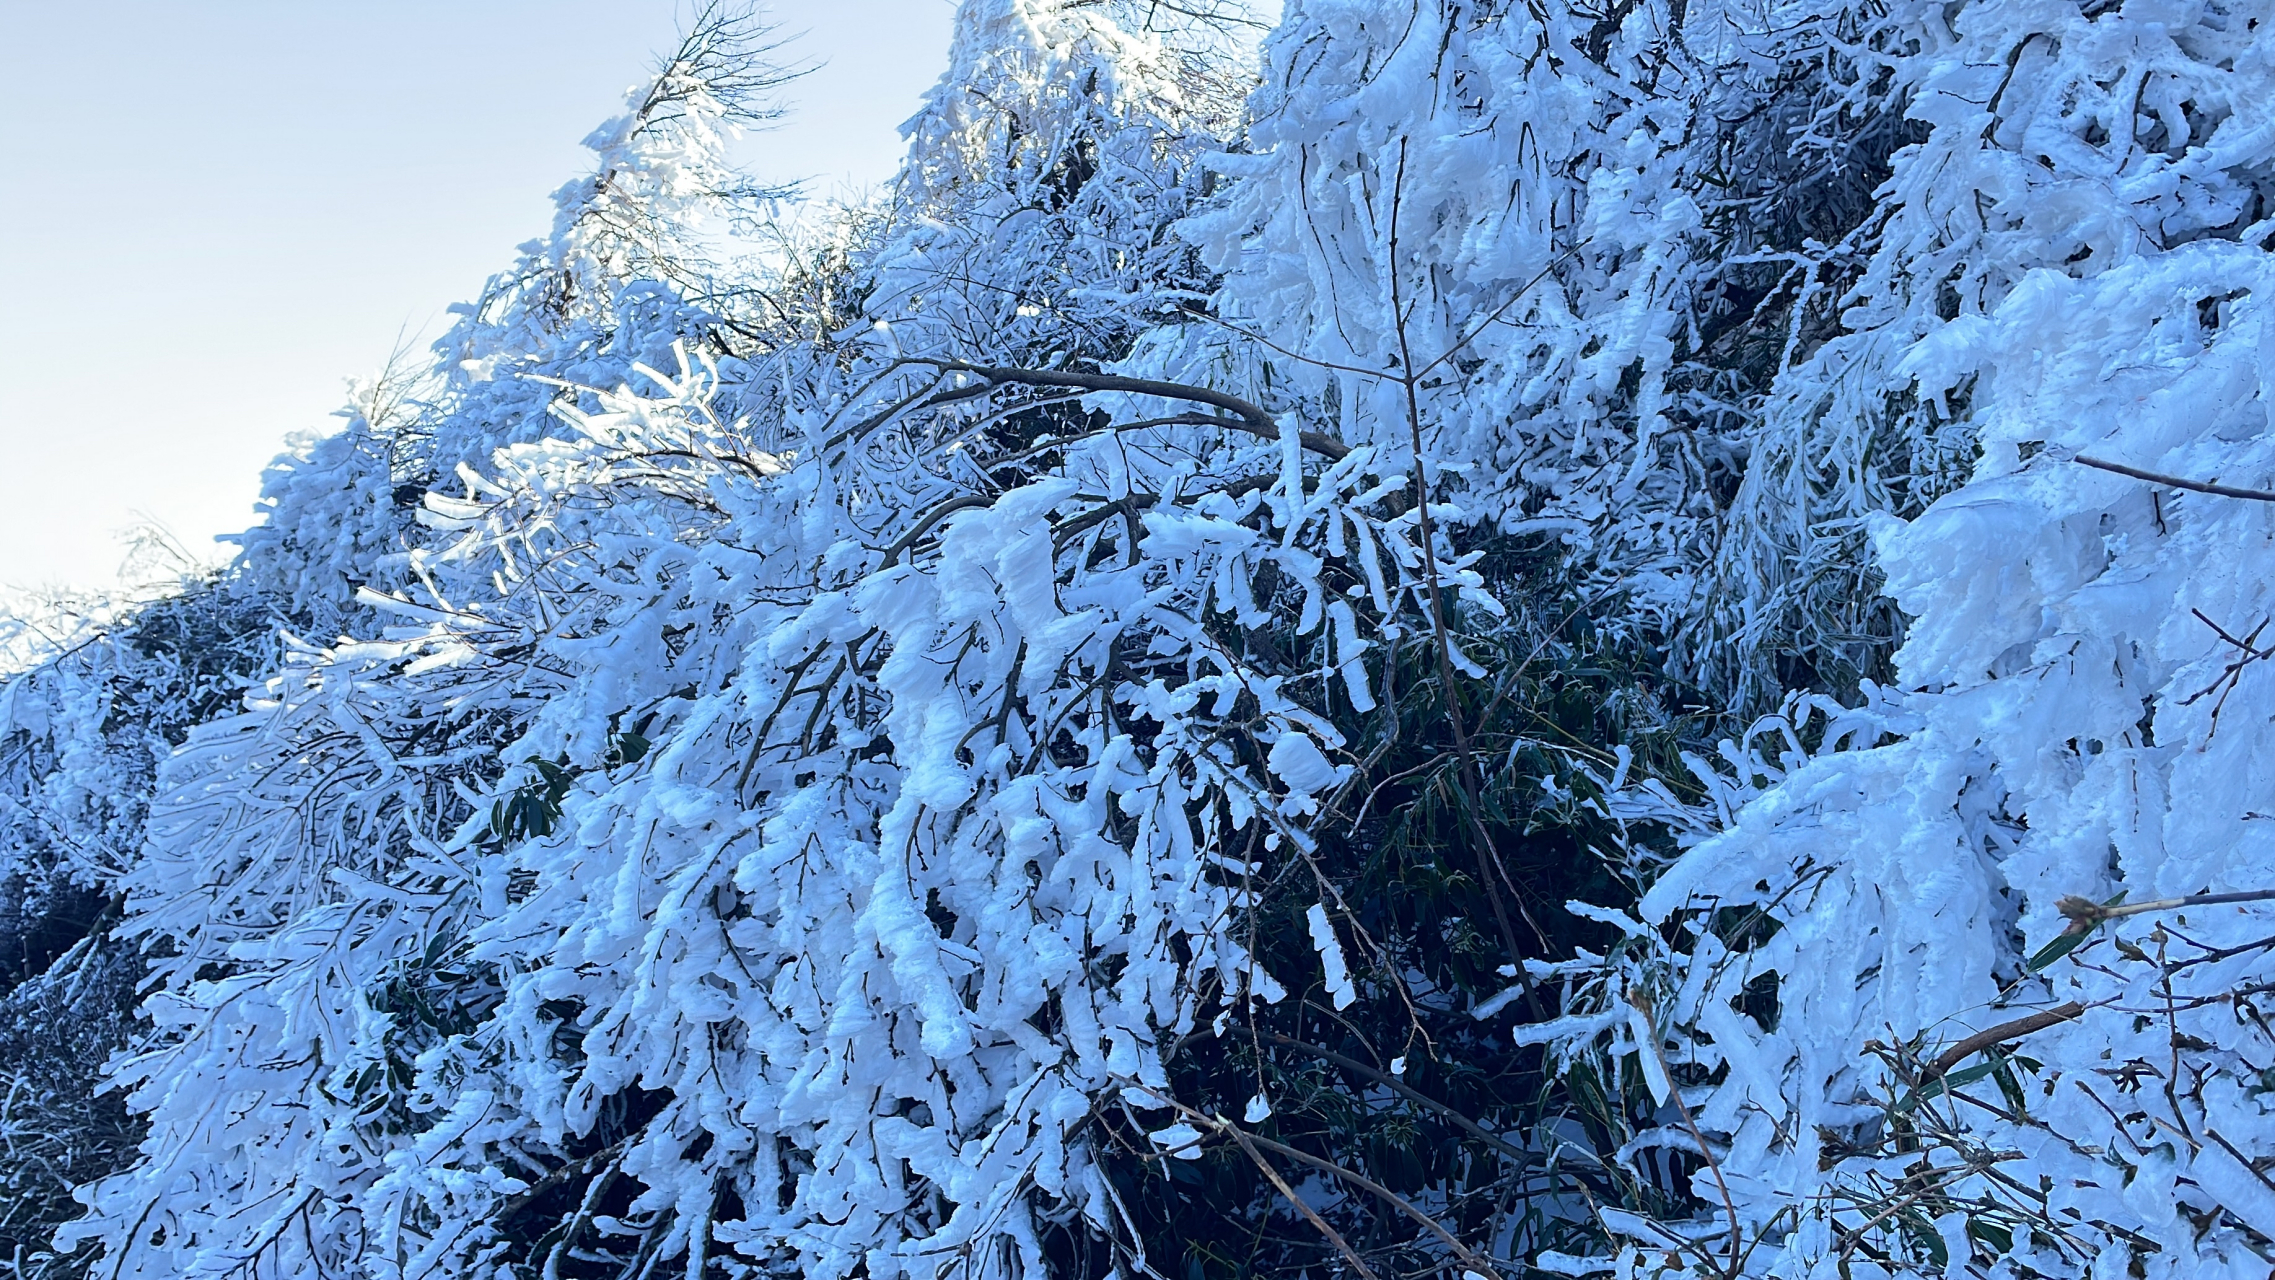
pixel 573 1168
pixel 1472 784
pixel 1395 1085
pixel 1297 356
pixel 1251 418
pixel 2232 675
pixel 2000 1034
pixel 2084 913
pixel 2240 1158
pixel 1642 1003
pixel 1502 310
pixel 1310 1214
pixel 585 1207
pixel 1853 1237
pixel 2175 482
pixel 1475 1260
pixel 925 522
pixel 1250 1142
pixel 2224 953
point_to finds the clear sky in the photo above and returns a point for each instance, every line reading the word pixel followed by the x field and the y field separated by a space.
pixel 213 212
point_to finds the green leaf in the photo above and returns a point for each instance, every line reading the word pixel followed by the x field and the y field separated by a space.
pixel 1992 1234
pixel 1944 1084
pixel 2066 941
pixel 2062 945
pixel 2003 1073
pixel 1924 1235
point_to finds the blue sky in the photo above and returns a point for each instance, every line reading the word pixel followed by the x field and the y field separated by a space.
pixel 219 210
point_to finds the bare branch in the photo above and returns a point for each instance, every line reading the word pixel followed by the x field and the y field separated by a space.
pixel 2000 1034
pixel 1249 417
pixel 1401 1088
pixel 2175 482
pixel 2084 913
pixel 1248 1144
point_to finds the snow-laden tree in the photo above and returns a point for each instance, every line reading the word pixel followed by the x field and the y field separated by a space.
pixel 1565 257
pixel 1045 170
pixel 763 837
pixel 83 727
pixel 632 266
pixel 1049 723
pixel 1975 985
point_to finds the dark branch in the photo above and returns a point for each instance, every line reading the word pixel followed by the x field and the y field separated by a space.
pixel 2002 1033
pixel 2175 482
pixel 1248 416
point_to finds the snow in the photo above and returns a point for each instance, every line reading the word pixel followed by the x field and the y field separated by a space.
pixel 717 727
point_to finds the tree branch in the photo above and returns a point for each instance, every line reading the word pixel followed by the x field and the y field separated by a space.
pixel 1310 1214
pixel 1249 417
pixel 2002 1033
pixel 2084 913
pixel 1475 1261
pixel 1402 1089
pixel 2175 482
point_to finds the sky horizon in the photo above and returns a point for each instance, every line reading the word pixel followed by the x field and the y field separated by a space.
pixel 243 206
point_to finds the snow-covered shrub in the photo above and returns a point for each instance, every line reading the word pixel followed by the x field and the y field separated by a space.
pixel 760 613
pixel 82 730
pixel 2029 227
pixel 2080 734
pixel 2073 138
pixel 1914 1024
pixel 1574 258
pixel 929 817
pixel 631 267
pixel 1031 224
pixel 1136 704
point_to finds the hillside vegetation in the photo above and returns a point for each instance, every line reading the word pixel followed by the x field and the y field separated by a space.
pixel 1447 638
